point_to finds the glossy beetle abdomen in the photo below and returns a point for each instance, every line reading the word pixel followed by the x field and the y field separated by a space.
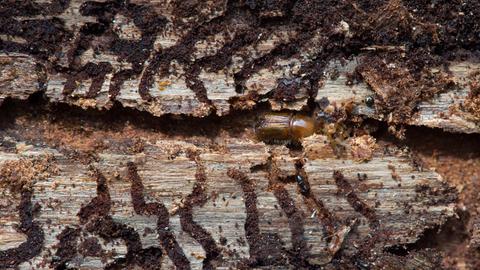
pixel 301 126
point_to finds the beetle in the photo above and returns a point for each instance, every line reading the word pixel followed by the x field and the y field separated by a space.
pixel 369 101
pixel 302 184
pixel 285 126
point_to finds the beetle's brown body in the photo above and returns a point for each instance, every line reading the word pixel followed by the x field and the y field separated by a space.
pixel 285 126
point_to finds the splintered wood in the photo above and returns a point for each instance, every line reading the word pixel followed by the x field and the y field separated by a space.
pixel 187 205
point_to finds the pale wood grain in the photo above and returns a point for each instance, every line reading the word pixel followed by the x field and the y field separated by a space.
pixel 170 178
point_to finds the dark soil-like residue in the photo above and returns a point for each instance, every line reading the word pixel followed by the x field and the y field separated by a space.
pixel 96 219
pixel 427 34
pixel 31 248
pixel 265 250
pixel 198 198
pixel 166 236
pixel 296 223
pixel 66 247
pixel 91 247
pixel 346 188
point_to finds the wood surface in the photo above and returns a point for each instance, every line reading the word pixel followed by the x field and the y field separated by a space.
pixel 87 197
pixel 225 204
pixel 171 90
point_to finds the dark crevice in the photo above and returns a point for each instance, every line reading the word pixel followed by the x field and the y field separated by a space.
pixel 38 107
pixel 453 232
pixel 428 139
pixel 294 146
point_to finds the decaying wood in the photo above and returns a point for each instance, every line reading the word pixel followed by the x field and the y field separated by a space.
pixel 172 96
pixel 103 77
pixel 442 111
pixel 94 196
pixel 226 204
pixel 475 239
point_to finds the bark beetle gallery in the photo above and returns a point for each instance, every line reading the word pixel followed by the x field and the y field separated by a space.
pixel 239 134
